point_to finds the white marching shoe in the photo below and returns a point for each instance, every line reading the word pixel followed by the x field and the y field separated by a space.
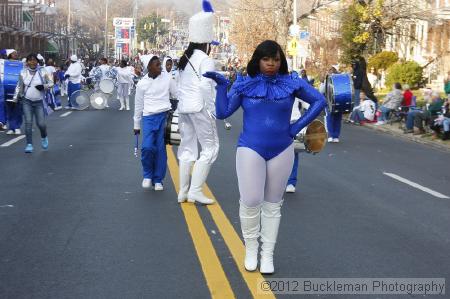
pixel 270 222
pixel 127 104
pixel 146 183
pixel 290 188
pixel 250 226
pixel 199 175
pixel 185 175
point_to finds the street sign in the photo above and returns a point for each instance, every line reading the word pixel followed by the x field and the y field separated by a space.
pixel 304 35
pixel 294 30
pixel 123 22
pixel 293 47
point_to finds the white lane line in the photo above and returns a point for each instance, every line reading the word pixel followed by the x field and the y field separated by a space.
pixel 12 141
pixel 415 185
pixel 7 206
pixel 66 114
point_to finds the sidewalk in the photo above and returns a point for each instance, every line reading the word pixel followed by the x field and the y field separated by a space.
pixel 396 131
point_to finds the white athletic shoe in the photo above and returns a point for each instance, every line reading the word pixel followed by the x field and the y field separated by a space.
pixel 146 183
pixel 336 140
pixel 128 108
pixel 10 132
pixel 330 139
pixel 290 189
pixel 159 187
pixel 17 132
pixel 121 108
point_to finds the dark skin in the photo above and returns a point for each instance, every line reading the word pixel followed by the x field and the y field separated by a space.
pixel 169 65
pixel 270 66
pixel 154 70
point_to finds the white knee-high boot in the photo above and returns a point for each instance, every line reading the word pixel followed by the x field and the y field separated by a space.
pixel 270 222
pixel 185 175
pixel 199 175
pixel 250 226
pixel 122 103
pixel 127 103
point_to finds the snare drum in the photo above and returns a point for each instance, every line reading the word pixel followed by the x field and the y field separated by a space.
pixel 172 133
pixel 339 93
pixel 10 72
pixel 80 100
pixel 98 100
pixel 107 86
pixel 312 139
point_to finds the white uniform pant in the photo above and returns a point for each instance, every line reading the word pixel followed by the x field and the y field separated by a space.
pixel 260 180
pixel 198 128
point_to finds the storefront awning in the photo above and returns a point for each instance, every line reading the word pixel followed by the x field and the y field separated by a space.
pixel 27 17
pixel 52 47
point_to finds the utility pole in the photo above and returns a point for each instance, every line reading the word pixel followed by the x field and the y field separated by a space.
pixel 294 57
pixel 106 29
pixel 69 50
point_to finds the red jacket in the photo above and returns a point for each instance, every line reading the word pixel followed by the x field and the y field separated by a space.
pixel 407 98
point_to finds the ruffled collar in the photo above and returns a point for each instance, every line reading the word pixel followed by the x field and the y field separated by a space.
pixel 266 87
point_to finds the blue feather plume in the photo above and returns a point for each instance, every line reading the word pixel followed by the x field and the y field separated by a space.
pixel 207 7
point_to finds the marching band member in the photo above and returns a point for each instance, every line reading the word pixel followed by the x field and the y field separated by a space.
pixel 124 79
pixel 101 73
pixel 13 111
pixel 265 152
pixel 196 108
pixel 333 120
pixel 169 70
pixel 33 82
pixel 151 105
pixel 53 99
pixel 73 74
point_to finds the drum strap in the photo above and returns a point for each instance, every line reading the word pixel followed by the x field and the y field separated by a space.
pixel 211 115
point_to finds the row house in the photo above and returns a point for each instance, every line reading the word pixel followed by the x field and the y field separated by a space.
pixel 425 39
pixel 28 26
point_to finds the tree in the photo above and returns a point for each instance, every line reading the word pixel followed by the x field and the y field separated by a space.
pixel 257 20
pixel 367 23
pixel 409 72
pixel 383 60
pixel 150 27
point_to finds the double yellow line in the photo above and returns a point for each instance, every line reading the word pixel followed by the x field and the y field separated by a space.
pixel 217 281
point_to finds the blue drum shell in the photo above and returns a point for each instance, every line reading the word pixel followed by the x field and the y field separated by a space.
pixel 342 93
pixel 11 75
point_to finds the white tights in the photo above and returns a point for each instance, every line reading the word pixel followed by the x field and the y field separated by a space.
pixel 261 180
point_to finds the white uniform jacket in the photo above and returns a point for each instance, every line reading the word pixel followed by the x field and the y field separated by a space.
pixel 195 91
pixel 153 97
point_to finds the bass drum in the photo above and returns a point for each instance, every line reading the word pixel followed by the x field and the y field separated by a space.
pixel 107 86
pixel 9 75
pixel 80 100
pixel 312 139
pixel 172 133
pixel 339 92
pixel 98 100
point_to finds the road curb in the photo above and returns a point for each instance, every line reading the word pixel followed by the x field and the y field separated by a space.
pixel 417 139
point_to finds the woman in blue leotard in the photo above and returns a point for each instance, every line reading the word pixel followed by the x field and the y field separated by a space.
pixel 265 152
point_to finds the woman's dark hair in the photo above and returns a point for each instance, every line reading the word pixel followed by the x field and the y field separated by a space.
pixel 268 48
pixel 189 51
pixel 123 63
pixel 31 56
pixel 397 85
pixel 104 59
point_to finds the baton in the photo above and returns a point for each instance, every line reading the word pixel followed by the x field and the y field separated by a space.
pixel 136 145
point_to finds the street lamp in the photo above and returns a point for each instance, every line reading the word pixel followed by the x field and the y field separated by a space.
pixel 106 28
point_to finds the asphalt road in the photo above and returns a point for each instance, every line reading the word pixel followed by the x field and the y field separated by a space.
pixel 75 223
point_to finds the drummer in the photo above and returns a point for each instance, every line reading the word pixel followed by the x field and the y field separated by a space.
pixel 333 119
pixel 152 101
pixel 13 110
pixel 73 74
pixel 102 72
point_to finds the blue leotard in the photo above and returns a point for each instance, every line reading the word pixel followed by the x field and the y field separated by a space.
pixel 267 103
